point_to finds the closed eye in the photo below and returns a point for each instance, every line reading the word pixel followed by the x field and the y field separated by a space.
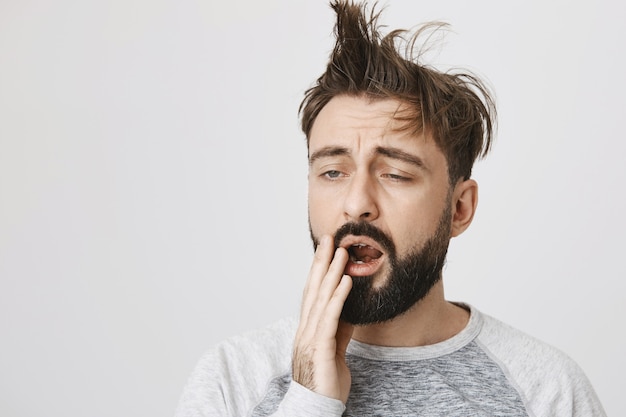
pixel 396 177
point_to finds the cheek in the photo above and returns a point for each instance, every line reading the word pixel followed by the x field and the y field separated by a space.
pixel 320 214
pixel 412 226
pixel 326 213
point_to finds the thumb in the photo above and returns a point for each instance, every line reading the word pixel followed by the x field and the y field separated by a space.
pixel 344 335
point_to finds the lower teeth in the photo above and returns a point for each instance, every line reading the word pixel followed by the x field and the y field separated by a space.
pixel 362 261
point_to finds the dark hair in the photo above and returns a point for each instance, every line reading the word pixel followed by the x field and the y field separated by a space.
pixel 455 108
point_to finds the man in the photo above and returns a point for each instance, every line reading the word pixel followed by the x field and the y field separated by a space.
pixel 391 147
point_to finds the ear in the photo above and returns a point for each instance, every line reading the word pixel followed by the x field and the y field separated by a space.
pixel 464 202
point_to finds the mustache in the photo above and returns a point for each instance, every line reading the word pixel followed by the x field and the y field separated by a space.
pixel 366 229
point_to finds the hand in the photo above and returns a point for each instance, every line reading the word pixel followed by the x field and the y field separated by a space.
pixel 319 361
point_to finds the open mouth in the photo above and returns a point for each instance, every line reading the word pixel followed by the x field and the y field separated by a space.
pixel 366 256
pixel 360 253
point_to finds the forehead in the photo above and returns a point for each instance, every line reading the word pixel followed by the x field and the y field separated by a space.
pixel 343 114
pixel 360 123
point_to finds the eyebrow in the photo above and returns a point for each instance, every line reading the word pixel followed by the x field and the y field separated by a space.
pixel 399 154
pixel 328 151
pixel 386 151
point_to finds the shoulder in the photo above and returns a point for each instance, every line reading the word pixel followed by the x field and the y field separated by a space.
pixel 232 376
pixel 271 343
pixel 550 382
pixel 509 344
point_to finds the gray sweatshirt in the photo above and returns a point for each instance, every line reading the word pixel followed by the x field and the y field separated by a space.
pixel 488 369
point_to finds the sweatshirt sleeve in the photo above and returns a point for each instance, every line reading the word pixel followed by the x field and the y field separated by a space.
pixel 203 395
pixel 250 375
pixel 214 390
pixel 300 401
pixel 550 382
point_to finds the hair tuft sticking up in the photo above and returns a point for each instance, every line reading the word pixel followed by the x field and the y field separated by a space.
pixel 457 109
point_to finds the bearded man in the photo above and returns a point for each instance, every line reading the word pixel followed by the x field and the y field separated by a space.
pixel 391 145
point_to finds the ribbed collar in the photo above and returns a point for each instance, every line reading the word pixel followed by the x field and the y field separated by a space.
pixel 456 342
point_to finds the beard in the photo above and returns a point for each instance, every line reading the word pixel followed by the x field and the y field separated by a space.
pixel 409 280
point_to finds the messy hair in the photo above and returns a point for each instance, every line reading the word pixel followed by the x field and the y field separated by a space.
pixel 455 108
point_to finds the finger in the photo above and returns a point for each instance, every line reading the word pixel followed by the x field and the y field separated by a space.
pixel 328 286
pixel 322 259
pixel 319 268
pixel 344 335
pixel 335 304
pixel 329 322
pixel 333 276
pixel 315 315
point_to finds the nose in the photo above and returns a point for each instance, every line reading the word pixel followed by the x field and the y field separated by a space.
pixel 361 200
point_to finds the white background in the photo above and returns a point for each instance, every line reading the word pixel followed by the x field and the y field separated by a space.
pixel 153 185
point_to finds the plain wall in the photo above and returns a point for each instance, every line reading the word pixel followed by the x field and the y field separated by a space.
pixel 153 185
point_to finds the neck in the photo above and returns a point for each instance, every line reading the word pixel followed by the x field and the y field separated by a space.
pixel 429 321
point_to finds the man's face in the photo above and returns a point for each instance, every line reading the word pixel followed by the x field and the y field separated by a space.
pixel 384 194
